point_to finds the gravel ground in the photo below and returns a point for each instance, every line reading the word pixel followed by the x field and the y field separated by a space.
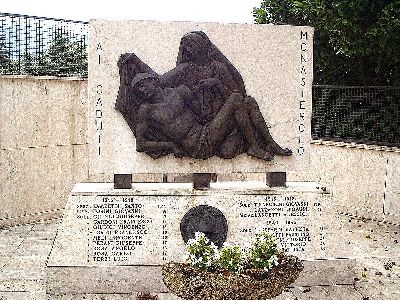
pixel 24 249
pixel 377 250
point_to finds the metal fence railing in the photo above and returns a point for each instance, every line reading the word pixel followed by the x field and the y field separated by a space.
pixel 368 115
pixel 42 46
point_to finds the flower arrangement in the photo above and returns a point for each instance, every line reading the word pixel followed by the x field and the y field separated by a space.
pixel 264 252
pixel 261 270
pixel 261 254
pixel 202 253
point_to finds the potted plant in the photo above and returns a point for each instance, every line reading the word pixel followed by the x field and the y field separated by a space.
pixel 259 271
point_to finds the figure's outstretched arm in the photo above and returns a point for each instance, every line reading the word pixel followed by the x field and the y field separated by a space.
pixel 153 148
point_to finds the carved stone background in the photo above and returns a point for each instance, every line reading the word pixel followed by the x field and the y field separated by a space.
pixel 267 57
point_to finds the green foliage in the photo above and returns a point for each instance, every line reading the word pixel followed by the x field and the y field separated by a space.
pixel 63 57
pixel 203 254
pixel 34 66
pixel 357 42
pixel 264 251
pixel 357 114
pixel 5 61
pixel 229 258
pixel 7 65
pixel 370 125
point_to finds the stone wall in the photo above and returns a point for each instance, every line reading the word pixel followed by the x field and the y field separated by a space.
pixel 364 180
pixel 43 148
pixel 43 153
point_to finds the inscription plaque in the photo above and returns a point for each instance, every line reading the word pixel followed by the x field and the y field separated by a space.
pixel 288 218
pixel 148 227
pixel 125 229
pixel 120 229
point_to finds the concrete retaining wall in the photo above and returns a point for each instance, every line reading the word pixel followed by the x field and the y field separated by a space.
pixel 43 148
pixel 43 153
pixel 364 180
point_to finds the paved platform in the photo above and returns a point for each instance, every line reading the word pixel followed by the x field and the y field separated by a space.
pixel 24 250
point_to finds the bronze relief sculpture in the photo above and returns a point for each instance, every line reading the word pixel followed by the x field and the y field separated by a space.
pixel 199 109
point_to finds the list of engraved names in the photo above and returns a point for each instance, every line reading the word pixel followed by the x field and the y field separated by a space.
pixel 119 229
pixel 286 217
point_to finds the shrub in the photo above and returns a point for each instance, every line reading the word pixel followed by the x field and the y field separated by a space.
pixel 230 258
pixel 263 253
pixel 201 252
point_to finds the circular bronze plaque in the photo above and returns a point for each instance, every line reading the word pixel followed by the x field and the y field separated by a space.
pixel 207 219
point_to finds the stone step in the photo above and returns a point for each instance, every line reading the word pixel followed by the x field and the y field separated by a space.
pixel 128 279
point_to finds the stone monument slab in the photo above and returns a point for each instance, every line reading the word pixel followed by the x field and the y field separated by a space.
pixel 201 98
pixel 107 231
pixel 275 63
pixel 143 226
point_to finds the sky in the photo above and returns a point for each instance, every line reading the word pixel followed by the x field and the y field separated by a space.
pixel 222 11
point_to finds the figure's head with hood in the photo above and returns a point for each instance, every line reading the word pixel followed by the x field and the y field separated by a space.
pixel 196 48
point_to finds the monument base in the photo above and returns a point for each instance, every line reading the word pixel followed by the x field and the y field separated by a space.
pixel 131 279
pixel 115 240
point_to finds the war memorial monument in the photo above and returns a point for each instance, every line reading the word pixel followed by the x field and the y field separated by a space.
pixel 201 99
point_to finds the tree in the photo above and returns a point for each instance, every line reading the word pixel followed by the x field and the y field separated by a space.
pixel 357 42
pixel 33 64
pixel 4 58
pixel 65 57
pixel 5 61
